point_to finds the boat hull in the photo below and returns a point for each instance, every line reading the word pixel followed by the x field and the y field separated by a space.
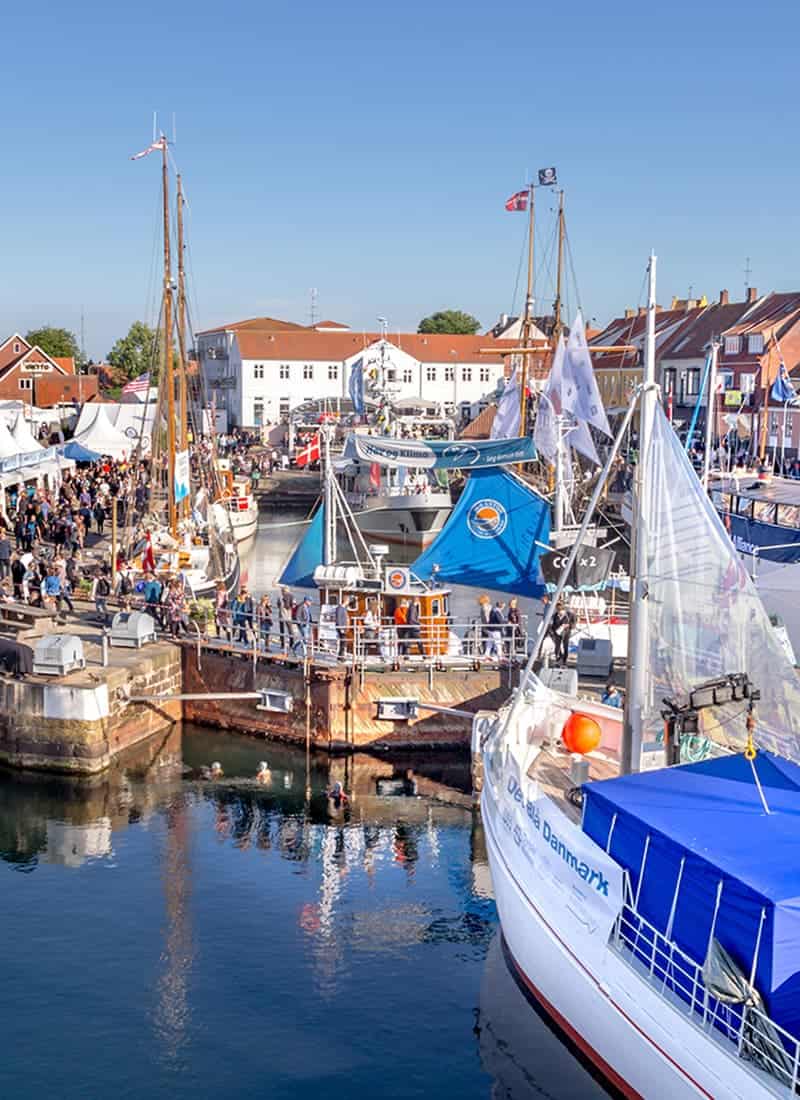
pixel 640 1043
pixel 244 524
pixel 403 526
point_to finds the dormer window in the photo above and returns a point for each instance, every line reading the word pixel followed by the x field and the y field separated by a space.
pixel 755 343
pixel 733 345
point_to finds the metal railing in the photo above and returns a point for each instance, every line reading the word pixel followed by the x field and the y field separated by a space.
pixel 671 971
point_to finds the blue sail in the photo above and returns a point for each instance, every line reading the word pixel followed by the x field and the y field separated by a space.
pixel 494 538
pixel 299 570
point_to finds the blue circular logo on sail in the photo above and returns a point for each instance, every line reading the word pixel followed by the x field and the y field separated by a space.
pixel 487 519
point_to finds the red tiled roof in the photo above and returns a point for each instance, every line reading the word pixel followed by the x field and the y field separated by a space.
pixel 307 344
pixel 691 342
pixel 67 363
pixel 772 315
pixel 256 324
pixel 481 426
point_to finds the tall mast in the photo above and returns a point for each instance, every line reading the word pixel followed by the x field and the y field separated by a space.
pixel 642 507
pixel 184 409
pixel 557 326
pixel 527 323
pixel 711 412
pixel 169 374
pixel 558 510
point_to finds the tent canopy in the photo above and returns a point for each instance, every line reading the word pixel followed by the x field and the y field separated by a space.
pixel 100 435
pixel 710 817
pixel 494 537
pixel 23 437
pixel 8 445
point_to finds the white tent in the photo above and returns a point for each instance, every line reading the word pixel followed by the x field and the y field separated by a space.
pixel 8 446
pixel 100 435
pixel 27 443
pixel 134 421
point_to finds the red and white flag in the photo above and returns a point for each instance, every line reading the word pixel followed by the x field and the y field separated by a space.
pixel 157 146
pixel 519 201
pixel 137 385
pixel 309 453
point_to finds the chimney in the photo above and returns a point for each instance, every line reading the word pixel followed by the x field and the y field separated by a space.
pixel 629 313
pixel 723 297
pixel 752 295
pixel 642 311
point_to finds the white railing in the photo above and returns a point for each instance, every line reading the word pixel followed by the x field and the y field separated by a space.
pixel 671 970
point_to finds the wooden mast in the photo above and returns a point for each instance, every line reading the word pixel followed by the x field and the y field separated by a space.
pixel 182 383
pixel 169 373
pixel 527 322
pixel 557 324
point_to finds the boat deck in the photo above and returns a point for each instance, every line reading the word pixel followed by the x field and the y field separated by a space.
pixel 551 770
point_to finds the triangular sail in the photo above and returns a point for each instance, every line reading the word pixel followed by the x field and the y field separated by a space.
pixel 494 537
pixel 705 617
pixel 299 570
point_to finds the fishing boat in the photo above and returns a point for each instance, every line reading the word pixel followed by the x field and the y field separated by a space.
pixel 239 502
pixel 644 863
pixel 402 506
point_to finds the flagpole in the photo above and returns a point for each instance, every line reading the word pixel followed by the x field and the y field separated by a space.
pixel 762 446
pixel 528 319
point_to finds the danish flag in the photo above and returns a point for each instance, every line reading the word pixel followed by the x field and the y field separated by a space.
pixel 518 201
pixel 309 453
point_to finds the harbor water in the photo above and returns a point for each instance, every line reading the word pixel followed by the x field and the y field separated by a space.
pixel 172 936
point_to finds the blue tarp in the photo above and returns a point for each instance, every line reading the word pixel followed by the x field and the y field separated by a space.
pixel 79 453
pixel 299 570
pixel 710 813
pixel 494 537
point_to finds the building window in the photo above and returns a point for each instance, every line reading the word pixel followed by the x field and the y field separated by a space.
pixel 258 413
pixel 484 375
pixel 449 374
pixel 258 370
pixel 466 374
pixel 308 372
pixel 430 374
pixel 408 375
pixel 755 343
pixel 669 380
pixel 693 382
pixel 17 348
pixel 26 383
pixel 747 383
pixel 283 371
pixel 733 345
pixel 284 408
pixel 333 372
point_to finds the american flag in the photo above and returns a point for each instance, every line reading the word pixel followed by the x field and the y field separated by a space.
pixel 137 385
pixel 156 146
pixel 518 201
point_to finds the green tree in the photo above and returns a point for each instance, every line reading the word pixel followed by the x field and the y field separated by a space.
pixel 58 342
pixel 135 353
pixel 450 320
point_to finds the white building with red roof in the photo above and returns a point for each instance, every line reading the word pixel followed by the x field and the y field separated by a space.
pixel 261 369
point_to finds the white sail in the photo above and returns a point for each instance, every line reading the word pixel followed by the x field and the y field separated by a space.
pixel 705 616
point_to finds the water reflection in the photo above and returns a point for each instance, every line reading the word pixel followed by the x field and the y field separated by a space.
pixel 206 929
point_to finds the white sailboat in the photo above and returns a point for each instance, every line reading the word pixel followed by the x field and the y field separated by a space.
pixel 658 923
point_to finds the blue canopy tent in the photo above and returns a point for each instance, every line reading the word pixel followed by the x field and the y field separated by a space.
pixel 79 453
pixel 299 570
pixel 707 827
pixel 494 537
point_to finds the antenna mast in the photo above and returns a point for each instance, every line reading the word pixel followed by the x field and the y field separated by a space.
pixel 313 310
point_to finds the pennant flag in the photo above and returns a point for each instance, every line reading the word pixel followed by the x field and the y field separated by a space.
pixel 782 388
pixel 545 432
pixel 309 453
pixel 518 201
pixel 157 146
pixel 493 538
pixel 579 393
pixel 137 385
pixel 356 386
pixel 580 438
pixel 506 418
pixel 547 177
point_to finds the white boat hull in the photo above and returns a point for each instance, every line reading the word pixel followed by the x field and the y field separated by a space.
pixel 412 525
pixel 640 1042
pixel 244 524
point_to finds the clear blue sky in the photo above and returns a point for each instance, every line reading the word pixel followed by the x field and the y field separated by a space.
pixel 367 150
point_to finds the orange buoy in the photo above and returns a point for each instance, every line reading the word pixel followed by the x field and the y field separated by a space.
pixel 581 733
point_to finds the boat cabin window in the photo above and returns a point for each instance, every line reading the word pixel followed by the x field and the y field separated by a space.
pixel 788 515
pixel 744 507
pixel 436 609
pixel 764 512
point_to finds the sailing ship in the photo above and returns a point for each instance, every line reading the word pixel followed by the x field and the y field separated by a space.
pixel 651 910
pixel 189 532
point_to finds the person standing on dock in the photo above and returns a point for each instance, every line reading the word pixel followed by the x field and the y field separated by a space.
pixel 5 555
pixel 497 623
pixel 342 624
pixel 100 591
pixel 243 614
pixel 304 623
pixel 400 619
pixel 222 612
pixel 152 597
pixel 413 628
pixel 285 618
pixel 265 620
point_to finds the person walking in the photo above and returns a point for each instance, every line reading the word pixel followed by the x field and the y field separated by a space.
pixel 100 591
pixel 497 623
pixel 152 597
pixel 18 570
pixel 5 555
pixel 176 607
pixel 513 622
pixel 485 608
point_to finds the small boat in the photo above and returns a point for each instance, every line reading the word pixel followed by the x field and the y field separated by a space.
pixel 239 502
pixel 403 506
